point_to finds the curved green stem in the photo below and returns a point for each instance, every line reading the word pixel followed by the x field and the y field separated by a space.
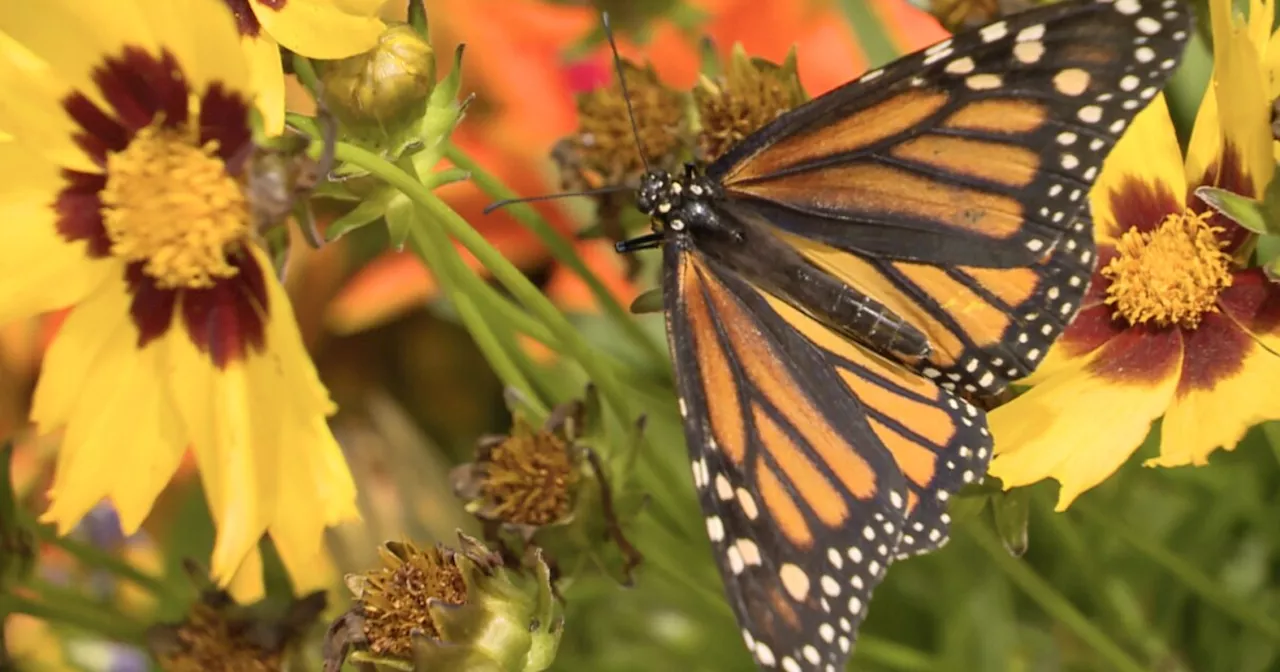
pixel 524 291
pixel 1053 602
pixel 561 250
pixel 438 252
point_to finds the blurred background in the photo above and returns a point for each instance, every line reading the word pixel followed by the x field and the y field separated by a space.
pixel 1165 570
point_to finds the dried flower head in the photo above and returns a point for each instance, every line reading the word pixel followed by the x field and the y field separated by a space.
pixel 446 608
pixel 551 482
pixel 605 144
pixel 218 635
pixel 396 598
pixel 529 478
pixel 749 94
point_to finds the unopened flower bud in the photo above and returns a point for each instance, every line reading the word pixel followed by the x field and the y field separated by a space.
pixel 385 89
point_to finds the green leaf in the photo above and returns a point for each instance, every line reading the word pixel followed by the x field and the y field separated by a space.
pixel 648 302
pixel 367 212
pixel 399 215
pixel 1242 210
pixel 444 110
pixel 417 13
pixel 1011 510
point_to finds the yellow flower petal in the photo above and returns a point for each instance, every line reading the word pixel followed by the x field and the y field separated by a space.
pixel 246 586
pixel 123 440
pixel 266 457
pixel 30 110
pixel 42 272
pixel 1077 427
pixel 203 36
pixel 319 28
pixel 267 72
pixel 82 341
pixel 72 36
pixel 1147 152
pixel 1236 110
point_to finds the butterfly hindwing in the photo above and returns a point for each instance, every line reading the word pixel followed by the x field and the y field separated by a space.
pixel 938 440
pixel 790 477
pixel 977 151
pixel 788 425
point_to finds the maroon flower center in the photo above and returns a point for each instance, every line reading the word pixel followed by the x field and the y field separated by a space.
pixel 167 201
pixel 1171 275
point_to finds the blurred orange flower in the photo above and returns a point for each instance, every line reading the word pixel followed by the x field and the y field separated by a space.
pixel 525 82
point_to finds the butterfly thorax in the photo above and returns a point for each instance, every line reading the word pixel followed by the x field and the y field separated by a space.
pixel 682 205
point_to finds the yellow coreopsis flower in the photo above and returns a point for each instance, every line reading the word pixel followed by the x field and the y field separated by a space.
pixel 324 29
pixel 122 197
pixel 1173 325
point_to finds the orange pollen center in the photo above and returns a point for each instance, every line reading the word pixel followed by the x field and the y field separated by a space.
pixel 1169 276
pixel 170 204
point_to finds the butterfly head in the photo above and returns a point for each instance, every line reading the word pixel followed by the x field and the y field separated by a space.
pixel 680 204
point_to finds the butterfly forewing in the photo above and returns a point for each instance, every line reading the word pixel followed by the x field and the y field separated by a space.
pixel 943 184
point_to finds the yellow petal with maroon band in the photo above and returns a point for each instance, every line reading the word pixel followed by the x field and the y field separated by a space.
pixel 1142 179
pixel 1091 329
pixel 1124 386
pixel 43 272
pixel 1231 359
pixel 267 73
pixel 1236 110
pixel 319 28
pixel 198 32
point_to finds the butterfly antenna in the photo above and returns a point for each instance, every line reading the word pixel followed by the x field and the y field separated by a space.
pixel 551 197
pixel 626 96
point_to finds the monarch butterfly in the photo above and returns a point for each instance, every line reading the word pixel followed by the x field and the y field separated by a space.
pixel 842 281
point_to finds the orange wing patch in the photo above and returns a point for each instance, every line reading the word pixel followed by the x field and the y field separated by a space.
pixel 775 383
pixel 804 475
pixel 1014 286
pixel 783 509
pixel 717 378
pixel 1005 164
pixel 893 191
pixel 847 134
pixel 982 322
pixel 994 115
pixel 917 462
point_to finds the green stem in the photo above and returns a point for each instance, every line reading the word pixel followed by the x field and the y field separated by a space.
pixel 502 269
pixel 438 252
pixel 92 556
pixel 873 36
pixel 90 618
pixel 562 250
pixel 306 73
pixel 1188 574
pixel 1053 603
